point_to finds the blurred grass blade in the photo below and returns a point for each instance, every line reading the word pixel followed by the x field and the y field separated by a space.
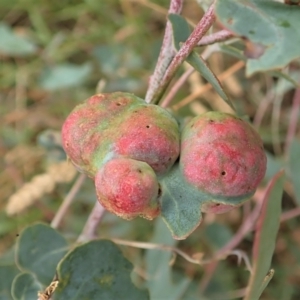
pixel 294 168
pixel 280 74
pixel 265 238
pixel 181 32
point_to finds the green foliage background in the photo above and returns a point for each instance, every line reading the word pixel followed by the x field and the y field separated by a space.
pixel 52 56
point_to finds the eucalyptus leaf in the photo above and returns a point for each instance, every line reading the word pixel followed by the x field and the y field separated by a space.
pixel 13 44
pixel 39 249
pixel 7 275
pixel 265 238
pixel 96 270
pixel 270 25
pixel 25 287
pixel 181 203
pixel 181 32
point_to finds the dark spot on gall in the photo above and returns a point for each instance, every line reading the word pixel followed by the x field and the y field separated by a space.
pixel 211 121
pixel 223 173
pixel 118 104
pixel 148 126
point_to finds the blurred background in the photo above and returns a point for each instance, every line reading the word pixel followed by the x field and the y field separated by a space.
pixel 55 54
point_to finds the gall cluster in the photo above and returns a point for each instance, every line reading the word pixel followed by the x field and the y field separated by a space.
pixel 127 146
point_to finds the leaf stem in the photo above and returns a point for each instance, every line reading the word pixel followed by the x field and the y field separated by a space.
pixel 216 37
pixel 231 70
pixel 185 50
pixel 167 52
pixel 184 77
pixel 90 227
pixel 67 201
pixel 192 259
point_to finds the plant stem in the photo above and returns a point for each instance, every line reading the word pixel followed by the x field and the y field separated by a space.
pixel 290 214
pixel 184 77
pixel 67 201
pixel 231 70
pixel 186 49
pixel 246 227
pixel 216 37
pixel 90 227
pixel 166 54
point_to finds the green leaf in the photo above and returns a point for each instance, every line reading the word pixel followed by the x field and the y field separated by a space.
pixel 181 32
pixel 181 203
pixel 64 76
pixel 160 281
pixel 13 44
pixel 96 270
pixel 273 26
pixel 39 249
pixel 294 168
pixel 7 274
pixel 265 238
pixel 25 287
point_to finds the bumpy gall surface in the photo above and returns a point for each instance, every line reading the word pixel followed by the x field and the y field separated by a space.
pixel 120 124
pixel 82 131
pixel 222 155
pixel 128 188
pixel 150 134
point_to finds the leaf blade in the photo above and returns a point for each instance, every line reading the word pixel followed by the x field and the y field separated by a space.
pixel 104 273
pixel 265 237
pixel 25 287
pixel 269 24
pixel 180 33
pixel 39 249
